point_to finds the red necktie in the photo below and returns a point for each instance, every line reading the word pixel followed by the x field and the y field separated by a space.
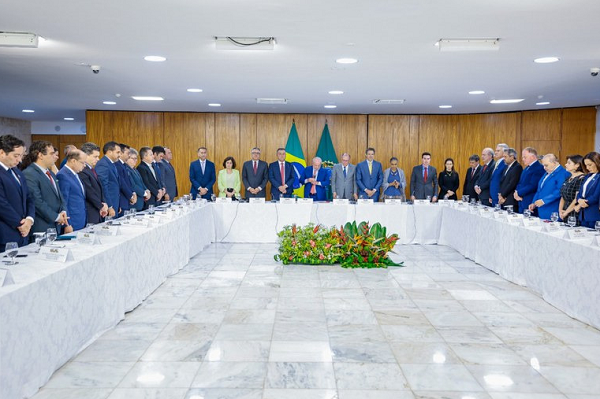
pixel 484 168
pixel 51 179
pixel 472 173
pixel 255 167
pixel 282 173
pixel 425 176
pixel 94 172
pixel 313 189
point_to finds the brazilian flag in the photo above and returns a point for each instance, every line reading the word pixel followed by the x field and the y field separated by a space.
pixel 327 154
pixel 295 156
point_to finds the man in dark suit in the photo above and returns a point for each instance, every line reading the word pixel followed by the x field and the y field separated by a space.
pixel 95 203
pixel 17 208
pixel 255 174
pixel 168 174
pixel 150 177
pixel 72 189
pixel 471 177
pixel 109 176
pixel 136 181
pixel 281 176
pixel 482 184
pixel 159 154
pixel 423 180
pixel 127 196
pixel 498 172
pixel 369 176
pixel 50 208
pixel 510 179
pixel 530 178
pixel 315 180
pixel 202 175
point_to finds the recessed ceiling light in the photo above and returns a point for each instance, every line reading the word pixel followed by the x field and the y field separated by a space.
pixel 195 90
pixel 445 106
pixel 69 119
pixel 477 92
pixel 28 111
pixel 330 106
pixel 546 60
pixel 336 92
pixel 508 101
pixel 155 58
pixel 543 103
pixel 147 98
pixel 108 102
pixel 346 60
pixel 214 105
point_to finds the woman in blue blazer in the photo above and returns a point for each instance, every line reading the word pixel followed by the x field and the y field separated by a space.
pixel 588 197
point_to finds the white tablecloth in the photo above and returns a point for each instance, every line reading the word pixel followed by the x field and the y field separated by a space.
pixel 54 310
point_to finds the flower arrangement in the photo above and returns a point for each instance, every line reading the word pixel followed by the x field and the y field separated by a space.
pixel 351 245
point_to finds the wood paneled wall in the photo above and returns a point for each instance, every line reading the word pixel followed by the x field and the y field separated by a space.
pixel 561 131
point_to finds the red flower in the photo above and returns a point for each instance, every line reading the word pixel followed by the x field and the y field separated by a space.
pixel 321 256
pixel 306 253
pixel 327 246
pixel 293 243
pixel 312 243
pixel 316 229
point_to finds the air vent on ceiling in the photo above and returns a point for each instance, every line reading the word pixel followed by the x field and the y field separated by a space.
pixel 245 43
pixel 271 100
pixel 18 39
pixel 388 102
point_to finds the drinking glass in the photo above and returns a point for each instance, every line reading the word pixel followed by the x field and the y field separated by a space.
pixel 429 198
pixel 465 198
pixel 109 220
pixel 597 226
pixel 554 217
pixel 89 227
pixel 50 235
pixel 571 221
pixel 39 239
pixel 151 209
pixel 498 207
pixel 509 209
pixel 213 198
pixel 12 250
pixel 527 213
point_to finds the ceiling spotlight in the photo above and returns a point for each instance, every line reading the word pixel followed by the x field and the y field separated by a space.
pixel 477 92
pixel 507 101
pixel 546 60
pixel 147 98
pixel 543 103
pixel 346 60
pixel 336 92
pixel 330 106
pixel 155 58
pixel 468 44
pixel 28 111
pixel 214 105
pixel 445 106
pixel 194 90
pixel 69 119
pixel 108 102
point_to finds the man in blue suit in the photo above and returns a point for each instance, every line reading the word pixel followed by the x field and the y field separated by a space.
pixel 498 172
pixel 316 181
pixel 202 175
pixel 72 189
pixel 17 209
pixel 127 195
pixel 529 180
pixel 369 176
pixel 281 176
pixel 109 176
pixel 547 197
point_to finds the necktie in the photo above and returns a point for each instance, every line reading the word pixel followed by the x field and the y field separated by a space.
pixel 472 173
pixel 313 189
pixel 202 164
pixel 15 176
pixel 255 167
pixel 51 179
pixel 484 167
pixel 425 175
pixel 344 171
pixel 370 167
pixel 94 172
pixel 153 172
pixel 544 181
pixel 281 170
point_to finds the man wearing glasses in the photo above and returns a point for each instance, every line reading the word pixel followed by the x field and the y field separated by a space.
pixel 255 174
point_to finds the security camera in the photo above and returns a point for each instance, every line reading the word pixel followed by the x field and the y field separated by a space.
pixel 96 69
pixel 595 71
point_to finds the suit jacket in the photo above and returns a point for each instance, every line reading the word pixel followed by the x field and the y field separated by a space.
pixel 549 191
pixel 137 183
pixel 528 184
pixel 484 181
pixel 125 189
pixel 590 214
pixel 109 178
pixel 223 185
pixel 255 180
pixel 495 182
pixel 470 180
pixel 168 176
pixel 321 190
pixel 48 200
pixel 74 196
pixel 275 179
pixel 422 189
pixel 370 181
pixel 150 182
pixel 94 195
pixel 16 203
pixel 508 184
pixel 199 179
pixel 344 187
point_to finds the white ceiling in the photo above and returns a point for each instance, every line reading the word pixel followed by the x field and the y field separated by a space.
pixel 393 40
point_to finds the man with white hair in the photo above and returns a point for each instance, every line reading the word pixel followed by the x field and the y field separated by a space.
pixel 315 180
pixel 498 172
pixel 532 173
pixel 547 196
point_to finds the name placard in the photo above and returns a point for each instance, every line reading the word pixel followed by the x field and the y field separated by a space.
pixel 87 238
pixel 341 201
pixel 515 219
pixel 446 202
pixel 551 227
pixel 55 254
pixel 106 230
pixel 287 201
pixel 6 278
pixel 531 222
pixel 393 201
pixel 576 234
pixel 256 200
pixel 140 222
pixel 422 202
pixel 223 200
pixel 486 212
pixel 364 201
pixel 304 200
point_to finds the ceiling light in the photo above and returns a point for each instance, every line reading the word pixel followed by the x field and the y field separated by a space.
pixel 108 102
pixel 546 60
pixel 543 103
pixel 265 100
pixel 445 106
pixel 155 58
pixel 245 43
pixel 147 98
pixel 477 92
pixel 330 106
pixel 508 101
pixel 28 111
pixel 468 44
pixel 18 39
pixel 214 105
pixel 336 92
pixel 195 90
pixel 346 60
pixel 380 101
pixel 69 119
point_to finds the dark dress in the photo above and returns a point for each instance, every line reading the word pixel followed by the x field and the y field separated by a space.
pixel 448 181
pixel 568 192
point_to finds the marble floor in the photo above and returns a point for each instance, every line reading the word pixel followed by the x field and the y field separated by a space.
pixel 236 325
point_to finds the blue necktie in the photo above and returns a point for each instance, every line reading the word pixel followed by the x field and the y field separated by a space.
pixel 344 171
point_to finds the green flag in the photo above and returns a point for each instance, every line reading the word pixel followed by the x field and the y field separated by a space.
pixel 295 156
pixel 326 151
